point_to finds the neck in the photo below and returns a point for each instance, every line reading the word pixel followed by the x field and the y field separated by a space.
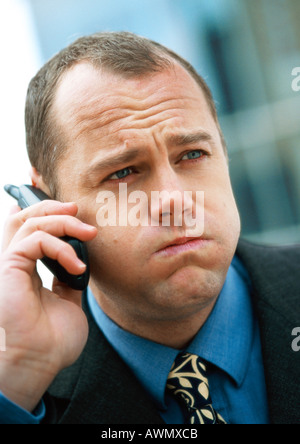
pixel 175 333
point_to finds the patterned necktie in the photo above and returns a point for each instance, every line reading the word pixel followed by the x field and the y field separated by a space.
pixel 187 381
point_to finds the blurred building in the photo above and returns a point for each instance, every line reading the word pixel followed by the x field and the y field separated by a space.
pixel 246 50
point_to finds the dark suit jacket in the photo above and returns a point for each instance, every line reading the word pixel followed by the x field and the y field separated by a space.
pixel 100 389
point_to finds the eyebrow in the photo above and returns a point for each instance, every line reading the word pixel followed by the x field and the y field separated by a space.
pixel 189 139
pixel 114 161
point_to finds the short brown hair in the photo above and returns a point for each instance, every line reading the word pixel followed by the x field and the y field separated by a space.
pixel 121 53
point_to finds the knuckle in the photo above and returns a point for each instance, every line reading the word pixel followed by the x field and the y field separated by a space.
pixel 28 224
pixel 47 205
pixel 72 222
pixel 14 221
pixel 38 236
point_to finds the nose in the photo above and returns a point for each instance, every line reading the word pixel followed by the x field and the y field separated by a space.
pixel 169 199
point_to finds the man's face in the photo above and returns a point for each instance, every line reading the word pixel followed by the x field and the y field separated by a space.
pixel 152 133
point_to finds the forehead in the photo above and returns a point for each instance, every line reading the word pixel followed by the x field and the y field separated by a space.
pixel 88 96
pixel 84 80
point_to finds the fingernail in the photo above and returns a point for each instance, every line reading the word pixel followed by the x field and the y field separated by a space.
pixel 81 265
pixel 89 227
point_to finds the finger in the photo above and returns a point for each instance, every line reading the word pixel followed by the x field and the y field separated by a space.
pixel 46 208
pixel 25 253
pixel 58 226
pixel 13 210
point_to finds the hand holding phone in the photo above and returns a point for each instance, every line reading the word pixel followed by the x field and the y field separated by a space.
pixel 26 196
pixel 46 330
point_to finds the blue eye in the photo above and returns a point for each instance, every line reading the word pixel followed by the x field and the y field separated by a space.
pixel 121 174
pixel 193 155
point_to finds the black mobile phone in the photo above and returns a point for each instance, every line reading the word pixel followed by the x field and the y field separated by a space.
pixel 27 195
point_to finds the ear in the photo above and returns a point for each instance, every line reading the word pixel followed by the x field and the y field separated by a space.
pixel 37 181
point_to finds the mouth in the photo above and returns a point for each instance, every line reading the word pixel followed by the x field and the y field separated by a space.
pixel 181 245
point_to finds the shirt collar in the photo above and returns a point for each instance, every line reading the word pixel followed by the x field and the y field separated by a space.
pixel 224 340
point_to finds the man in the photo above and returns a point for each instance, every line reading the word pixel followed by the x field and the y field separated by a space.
pixel 174 328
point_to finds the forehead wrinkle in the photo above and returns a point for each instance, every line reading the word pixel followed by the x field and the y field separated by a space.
pixel 91 113
pixel 110 109
pixel 89 119
pixel 132 120
pixel 158 108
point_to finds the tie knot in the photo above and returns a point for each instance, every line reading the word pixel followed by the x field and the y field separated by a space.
pixel 188 380
pixel 188 383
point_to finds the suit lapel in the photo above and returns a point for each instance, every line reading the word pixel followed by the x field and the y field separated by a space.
pixel 274 273
pixel 103 389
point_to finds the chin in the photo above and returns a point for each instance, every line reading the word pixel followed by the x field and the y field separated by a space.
pixel 193 279
pixel 189 290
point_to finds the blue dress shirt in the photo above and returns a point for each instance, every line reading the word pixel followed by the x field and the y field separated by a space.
pixel 10 413
pixel 229 341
